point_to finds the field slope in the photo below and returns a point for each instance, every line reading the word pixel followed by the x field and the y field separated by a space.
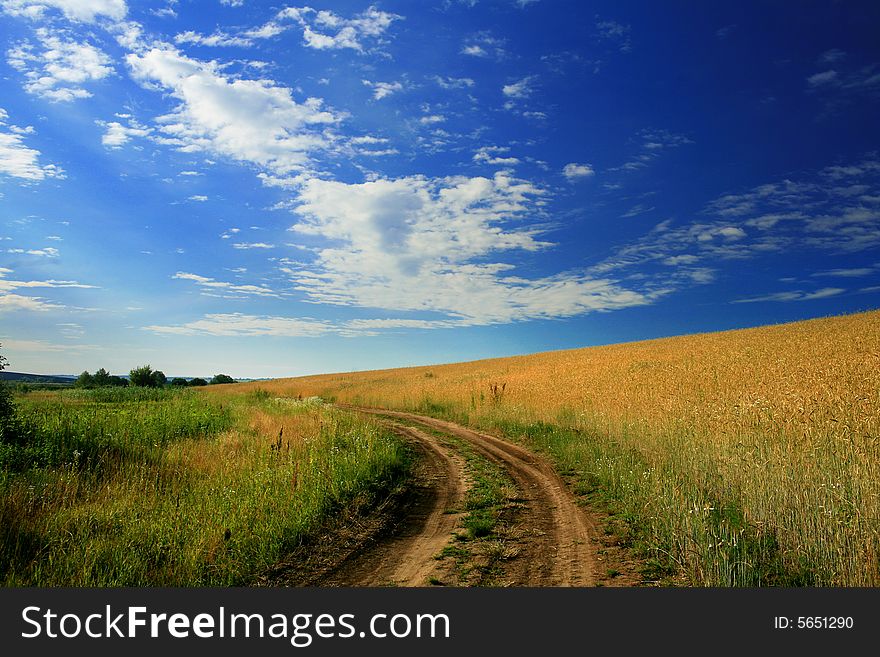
pixel 741 458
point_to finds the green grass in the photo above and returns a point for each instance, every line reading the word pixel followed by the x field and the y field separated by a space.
pixel 172 488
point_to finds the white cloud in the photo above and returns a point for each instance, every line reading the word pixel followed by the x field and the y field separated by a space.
pixel 495 155
pixel 199 198
pixel 432 119
pixel 817 213
pixel 831 56
pixel 574 171
pixel 651 145
pixel 823 78
pixel 238 324
pixel 520 89
pixel 59 68
pixel 453 83
pixel 615 33
pixel 117 135
pixel 855 272
pixel 234 289
pixel 368 140
pixel 252 245
pixel 217 39
pixel 474 50
pixel 254 121
pixel 796 295
pixel 11 301
pixel 325 30
pixel 419 244
pixel 382 89
pixel 87 11
pixel 17 159
pixel 483 44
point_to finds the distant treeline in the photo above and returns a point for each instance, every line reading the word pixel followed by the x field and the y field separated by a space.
pixel 143 377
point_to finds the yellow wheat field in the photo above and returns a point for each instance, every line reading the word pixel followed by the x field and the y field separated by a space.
pixel 784 420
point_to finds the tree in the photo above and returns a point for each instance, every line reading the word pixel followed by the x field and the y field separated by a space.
pixel 142 377
pixel 222 378
pixel 101 378
pixel 159 379
pixel 178 382
pixel 8 424
pixel 85 380
pixel 118 381
pixel 198 381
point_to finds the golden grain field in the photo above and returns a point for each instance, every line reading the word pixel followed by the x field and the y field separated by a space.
pixel 747 457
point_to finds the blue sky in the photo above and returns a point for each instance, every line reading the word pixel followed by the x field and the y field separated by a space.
pixel 269 190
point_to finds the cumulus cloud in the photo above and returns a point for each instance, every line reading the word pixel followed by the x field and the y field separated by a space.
pixel 253 121
pixel 116 134
pixel 574 171
pixel 325 30
pixel 420 244
pixel 86 11
pixel 58 68
pixel 17 159
pixel 495 155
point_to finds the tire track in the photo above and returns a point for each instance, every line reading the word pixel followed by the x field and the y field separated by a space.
pixel 405 557
pixel 557 537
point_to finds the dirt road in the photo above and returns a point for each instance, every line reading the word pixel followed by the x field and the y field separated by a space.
pixel 552 541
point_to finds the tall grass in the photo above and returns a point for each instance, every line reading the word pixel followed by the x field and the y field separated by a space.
pixel 176 488
pixel 741 458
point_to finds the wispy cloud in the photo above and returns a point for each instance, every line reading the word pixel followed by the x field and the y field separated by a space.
pixel 454 83
pixel 615 33
pixel 212 285
pixel 520 89
pixel 17 159
pixel 382 89
pixel 252 245
pixel 820 212
pixel 795 295
pixel 238 324
pixel 651 144
pixel 11 301
pixel 484 44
